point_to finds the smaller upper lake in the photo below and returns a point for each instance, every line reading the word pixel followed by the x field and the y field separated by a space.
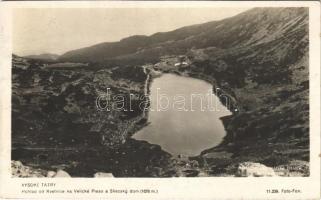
pixel 184 115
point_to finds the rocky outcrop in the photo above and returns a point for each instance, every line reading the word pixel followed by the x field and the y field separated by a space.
pixel 57 106
pixel 21 171
pixel 293 168
pixel 247 169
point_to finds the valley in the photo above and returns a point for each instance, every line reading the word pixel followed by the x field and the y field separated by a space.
pixel 262 72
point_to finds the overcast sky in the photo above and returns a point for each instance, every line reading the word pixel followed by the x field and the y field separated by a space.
pixel 58 30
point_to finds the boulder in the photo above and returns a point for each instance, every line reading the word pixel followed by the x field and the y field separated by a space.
pixel 247 169
pixel 51 174
pixel 61 174
pixel 103 175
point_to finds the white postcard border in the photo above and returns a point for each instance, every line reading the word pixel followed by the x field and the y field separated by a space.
pixel 173 188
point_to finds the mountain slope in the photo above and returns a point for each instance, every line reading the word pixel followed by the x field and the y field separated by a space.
pixel 256 26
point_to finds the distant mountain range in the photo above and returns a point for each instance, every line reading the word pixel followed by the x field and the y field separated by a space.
pixel 45 57
pixel 254 28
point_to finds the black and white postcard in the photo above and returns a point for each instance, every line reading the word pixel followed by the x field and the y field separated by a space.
pixel 160 100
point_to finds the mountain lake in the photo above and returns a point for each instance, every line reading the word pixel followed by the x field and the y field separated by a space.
pixel 184 115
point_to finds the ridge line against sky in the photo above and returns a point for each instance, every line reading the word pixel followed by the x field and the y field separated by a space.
pixel 58 30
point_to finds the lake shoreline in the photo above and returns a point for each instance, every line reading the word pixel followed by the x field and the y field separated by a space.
pixel 224 159
pixel 187 98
